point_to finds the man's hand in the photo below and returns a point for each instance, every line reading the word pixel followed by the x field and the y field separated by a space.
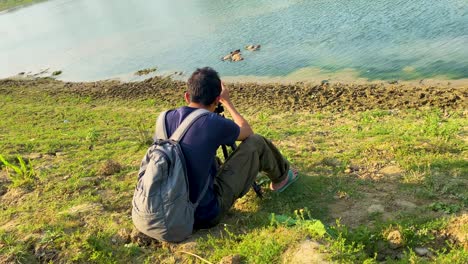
pixel 224 96
pixel 245 129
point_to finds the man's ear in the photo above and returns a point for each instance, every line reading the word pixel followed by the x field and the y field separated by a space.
pixel 217 100
pixel 187 97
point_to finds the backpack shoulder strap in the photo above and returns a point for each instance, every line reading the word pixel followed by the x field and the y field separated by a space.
pixel 161 132
pixel 202 194
pixel 188 121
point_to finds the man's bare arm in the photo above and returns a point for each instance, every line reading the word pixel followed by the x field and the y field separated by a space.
pixel 245 129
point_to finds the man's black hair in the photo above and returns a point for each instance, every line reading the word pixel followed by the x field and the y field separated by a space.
pixel 204 86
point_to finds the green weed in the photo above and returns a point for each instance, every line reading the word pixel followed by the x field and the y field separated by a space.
pixel 22 175
pixel 445 207
pixel 92 135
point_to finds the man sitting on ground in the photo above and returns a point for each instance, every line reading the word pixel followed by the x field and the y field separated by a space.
pixel 234 178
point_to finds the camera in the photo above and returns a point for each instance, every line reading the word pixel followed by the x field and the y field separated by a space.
pixel 219 109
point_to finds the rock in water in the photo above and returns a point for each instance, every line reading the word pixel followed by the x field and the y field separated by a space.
pixel 252 47
pixel 237 57
pixel 227 57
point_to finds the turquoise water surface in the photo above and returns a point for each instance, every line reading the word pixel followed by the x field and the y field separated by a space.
pixel 99 39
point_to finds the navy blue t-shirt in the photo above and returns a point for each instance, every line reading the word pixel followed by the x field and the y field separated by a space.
pixel 199 146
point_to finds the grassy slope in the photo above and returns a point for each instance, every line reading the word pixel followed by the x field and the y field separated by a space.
pixel 7 4
pixel 72 211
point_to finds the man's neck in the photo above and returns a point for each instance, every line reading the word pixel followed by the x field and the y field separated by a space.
pixel 197 105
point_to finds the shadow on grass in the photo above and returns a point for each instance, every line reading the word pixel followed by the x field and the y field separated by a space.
pixel 418 227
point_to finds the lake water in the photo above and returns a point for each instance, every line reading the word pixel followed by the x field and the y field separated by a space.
pixel 99 39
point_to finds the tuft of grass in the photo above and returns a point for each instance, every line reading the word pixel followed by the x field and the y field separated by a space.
pixel 143 135
pixel 22 174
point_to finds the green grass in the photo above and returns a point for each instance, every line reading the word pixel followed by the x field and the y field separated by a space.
pixel 82 214
pixel 7 4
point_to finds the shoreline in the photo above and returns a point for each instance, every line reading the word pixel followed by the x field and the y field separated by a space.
pixel 299 96
pixel 346 77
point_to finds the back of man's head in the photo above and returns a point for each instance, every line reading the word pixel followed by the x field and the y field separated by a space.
pixel 204 86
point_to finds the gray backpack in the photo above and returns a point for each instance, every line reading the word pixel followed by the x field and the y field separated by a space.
pixel 161 203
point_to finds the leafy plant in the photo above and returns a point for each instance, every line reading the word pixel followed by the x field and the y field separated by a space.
pixel 92 137
pixel 444 207
pixel 22 175
pixel 303 221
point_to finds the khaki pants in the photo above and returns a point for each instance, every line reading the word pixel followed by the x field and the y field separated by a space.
pixel 235 177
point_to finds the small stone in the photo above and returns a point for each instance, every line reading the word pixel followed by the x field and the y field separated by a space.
pixel 33 156
pixel 60 154
pixel 421 251
pixel 391 171
pixel 405 204
pixel 307 252
pixel 66 177
pixel 348 170
pixel 395 239
pixel 375 208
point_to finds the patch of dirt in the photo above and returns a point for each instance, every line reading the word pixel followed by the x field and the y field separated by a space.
pixel 9 226
pixel 391 172
pixel 232 259
pixel 457 230
pixel 85 209
pixel 306 252
pixel 382 200
pixel 7 258
pixel 46 253
pixel 110 167
pixel 282 97
pixel 14 196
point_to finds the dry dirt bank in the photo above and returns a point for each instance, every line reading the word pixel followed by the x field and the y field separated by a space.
pixel 282 97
